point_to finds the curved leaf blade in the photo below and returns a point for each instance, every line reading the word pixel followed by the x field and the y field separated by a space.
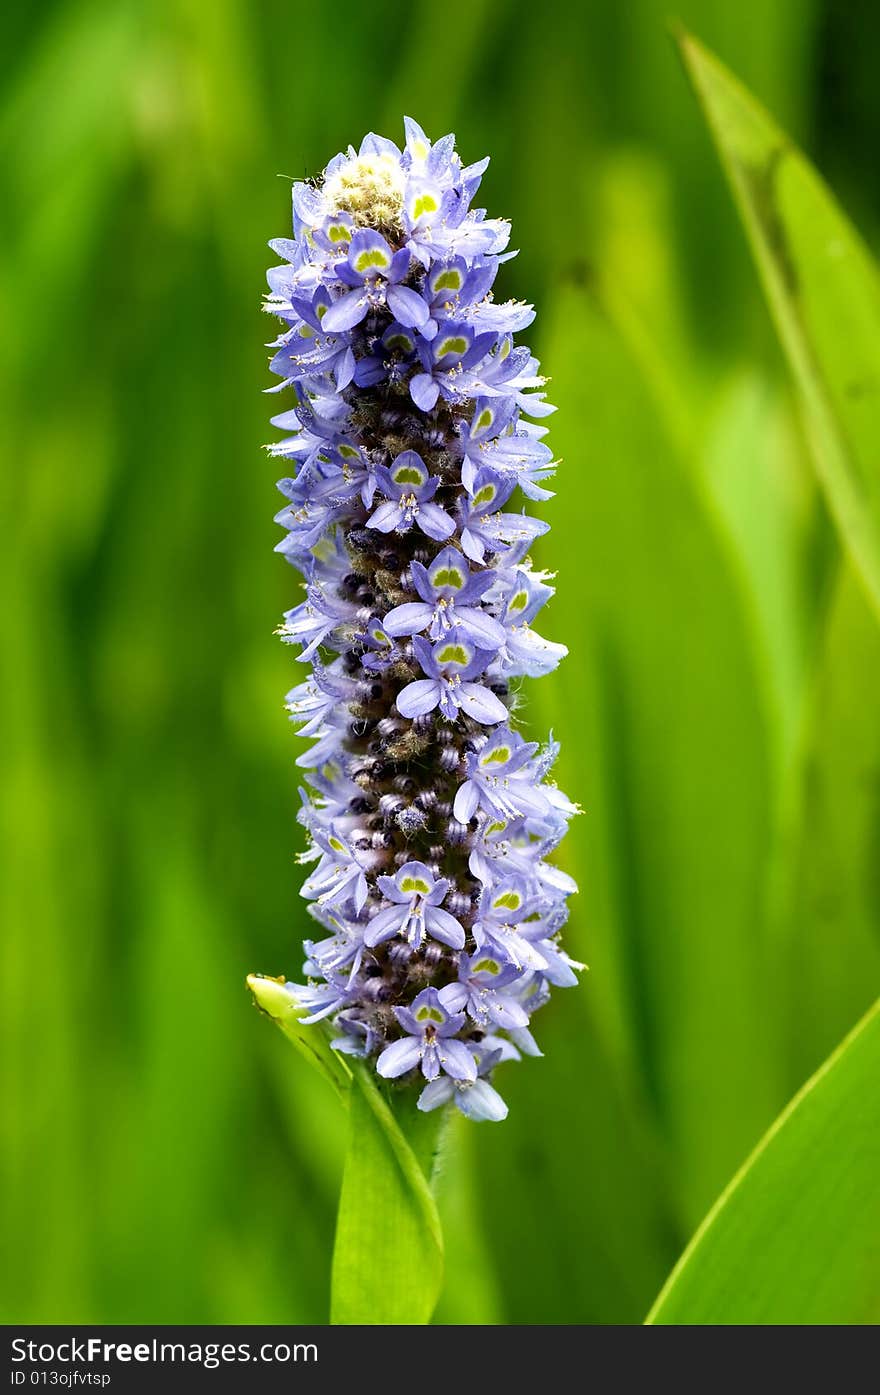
pixel 830 898
pixel 794 1238
pixel 823 292
pixel 388 1254
pixel 388 1258
pixel 311 1041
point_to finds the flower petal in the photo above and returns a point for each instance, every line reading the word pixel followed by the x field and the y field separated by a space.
pixel 408 619
pixel 480 627
pixel 444 927
pixel 482 1102
pixel 456 1060
pixel 436 1093
pixel 386 517
pixel 506 1011
pixel 435 522
pixel 407 306
pixel 467 801
pixel 346 312
pixel 418 698
pixel 423 390
pixel 383 926
pixel 399 1057
pixel 454 996
pixel 471 546
pixel 479 703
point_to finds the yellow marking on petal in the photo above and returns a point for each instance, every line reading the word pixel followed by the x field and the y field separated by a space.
pixel 408 474
pixel 510 900
pixel 429 1014
pixel 498 756
pixel 485 419
pixel 448 576
pixel 484 495
pixel 425 203
pixel 371 256
pixel 453 344
pixel 453 654
pixel 519 601
pixel 486 966
pixel 415 884
pixel 448 280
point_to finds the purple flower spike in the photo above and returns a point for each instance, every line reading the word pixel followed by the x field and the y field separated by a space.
pixel 413 420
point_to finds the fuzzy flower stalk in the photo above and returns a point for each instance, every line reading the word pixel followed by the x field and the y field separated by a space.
pixel 429 818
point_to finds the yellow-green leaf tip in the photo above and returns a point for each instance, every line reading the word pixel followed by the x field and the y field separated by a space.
pixel 270 995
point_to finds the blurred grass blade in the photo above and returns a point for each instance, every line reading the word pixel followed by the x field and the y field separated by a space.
pixel 824 294
pixel 670 757
pixel 312 1041
pixel 388 1259
pixel 793 1239
pixel 830 900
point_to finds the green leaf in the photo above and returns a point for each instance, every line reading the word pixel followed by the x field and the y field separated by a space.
pixel 312 1042
pixel 388 1256
pixel 388 1259
pixel 824 295
pixel 756 464
pixel 831 898
pixel 793 1239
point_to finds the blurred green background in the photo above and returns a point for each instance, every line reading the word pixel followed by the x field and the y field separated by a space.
pixel 167 1158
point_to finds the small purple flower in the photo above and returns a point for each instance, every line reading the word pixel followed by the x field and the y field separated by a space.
pixel 450 665
pixel 390 358
pixel 339 876
pixel 505 924
pixel 415 909
pixel 374 272
pixel 476 1099
pixel 307 351
pixel 485 530
pixel 448 592
pixel 454 348
pixel 501 780
pixel 379 647
pixel 408 490
pixel 430 1042
pixel 478 992
pixel 357 1039
pixel 526 653
pixel 320 1000
pixel 452 286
